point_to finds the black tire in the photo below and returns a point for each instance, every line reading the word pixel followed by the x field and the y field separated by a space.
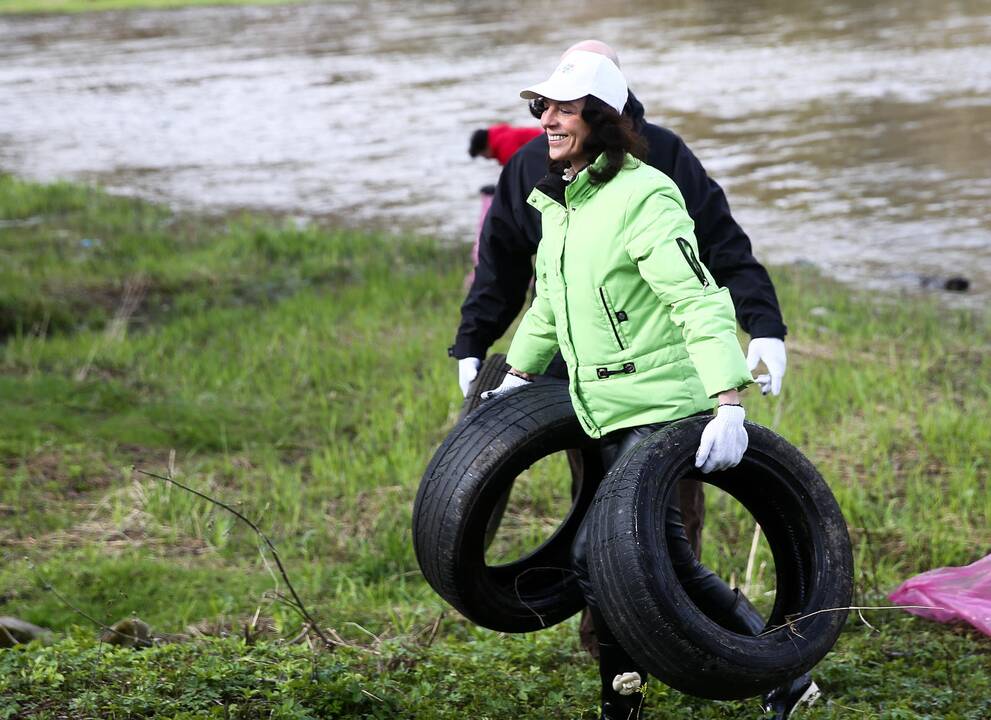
pixel 650 613
pixel 471 471
pixel 489 377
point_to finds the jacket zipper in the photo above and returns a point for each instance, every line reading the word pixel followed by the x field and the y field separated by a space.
pixel 612 323
pixel 693 263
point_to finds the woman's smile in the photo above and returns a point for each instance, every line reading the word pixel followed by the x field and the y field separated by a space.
pixel 566 131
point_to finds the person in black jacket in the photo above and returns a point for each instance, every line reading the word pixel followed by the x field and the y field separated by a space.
pixel 508 241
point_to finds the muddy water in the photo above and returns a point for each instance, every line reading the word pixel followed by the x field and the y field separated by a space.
pixel 854 135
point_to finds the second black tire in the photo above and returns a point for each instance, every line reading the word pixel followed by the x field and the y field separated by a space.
pixel 464 484
pixel 649 611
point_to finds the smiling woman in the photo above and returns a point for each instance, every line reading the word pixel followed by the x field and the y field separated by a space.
pixel 647 335
pixel 578 131
pixel 566 131
pixel 581 126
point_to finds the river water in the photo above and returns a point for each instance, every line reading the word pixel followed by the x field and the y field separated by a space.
pixel 854 135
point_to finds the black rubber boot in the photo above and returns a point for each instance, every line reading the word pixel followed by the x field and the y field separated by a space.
pixel 627 710
pixel 614 662
pixel 784 700
pixel 742 617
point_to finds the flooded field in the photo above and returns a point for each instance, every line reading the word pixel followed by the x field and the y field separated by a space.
pixel 853 135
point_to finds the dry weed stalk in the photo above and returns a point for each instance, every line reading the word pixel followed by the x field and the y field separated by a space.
pixel 134 292
pixel 749 572
pixel 48 587
pixel 790 622
pixel 295 602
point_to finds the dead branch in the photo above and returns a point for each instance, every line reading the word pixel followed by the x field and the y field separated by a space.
pixel 434 629
pixel 48 587
pixel 790 622
pixel 297 602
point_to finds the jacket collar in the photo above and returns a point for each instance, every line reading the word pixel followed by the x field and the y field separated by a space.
pixel 555 188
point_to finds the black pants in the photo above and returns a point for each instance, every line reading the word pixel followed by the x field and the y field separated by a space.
pixel 706 589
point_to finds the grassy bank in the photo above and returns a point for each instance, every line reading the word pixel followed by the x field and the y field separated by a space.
pixel 77 6
pixel 299 374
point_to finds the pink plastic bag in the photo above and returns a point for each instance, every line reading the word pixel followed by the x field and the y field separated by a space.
pixel 961 593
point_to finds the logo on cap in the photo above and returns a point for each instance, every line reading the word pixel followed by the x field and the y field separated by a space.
pixel 566 68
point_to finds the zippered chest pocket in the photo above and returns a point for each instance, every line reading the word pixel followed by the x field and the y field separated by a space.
pixel 616 319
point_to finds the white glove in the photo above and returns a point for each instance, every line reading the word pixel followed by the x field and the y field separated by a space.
pixel 467 371
pixel 724 440
pixel 627 683
pixel 772 352
pixel 508 383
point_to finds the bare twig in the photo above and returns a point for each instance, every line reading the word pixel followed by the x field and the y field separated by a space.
pixel 297 602
pixel 434 629
pixel 748 574
pixel 8 639
pixel 281 598
pixel 852 709
pixel 251 625
pixel 301 635
pixel 48 587
pixel 519 596
pixel 375 637
pixel 268 568
pixel 335 638
pixel 134 292
pixel 860 614
pixel 790 622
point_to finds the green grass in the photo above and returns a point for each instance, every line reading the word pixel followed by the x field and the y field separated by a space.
pixel 300 375
pixel 77 6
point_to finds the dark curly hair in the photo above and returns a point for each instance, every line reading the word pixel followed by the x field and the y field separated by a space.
pixel 609 132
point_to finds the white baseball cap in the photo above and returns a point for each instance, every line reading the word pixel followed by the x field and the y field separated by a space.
pixel 583 73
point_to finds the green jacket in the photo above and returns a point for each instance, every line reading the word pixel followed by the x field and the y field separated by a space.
pixel 646 333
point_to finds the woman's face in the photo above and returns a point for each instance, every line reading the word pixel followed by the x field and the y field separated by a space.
pixel 566 131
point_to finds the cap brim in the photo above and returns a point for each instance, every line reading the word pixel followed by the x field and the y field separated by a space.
pixel 551 91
